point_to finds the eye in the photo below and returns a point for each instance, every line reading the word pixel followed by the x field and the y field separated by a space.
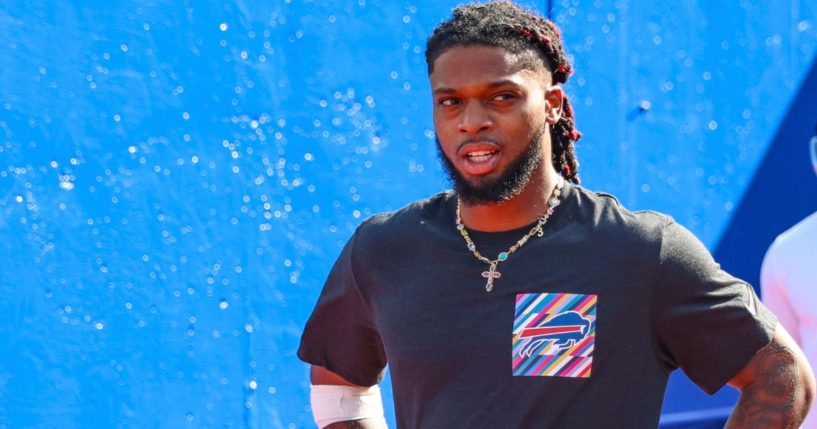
pixel 448 101
pixel 504 96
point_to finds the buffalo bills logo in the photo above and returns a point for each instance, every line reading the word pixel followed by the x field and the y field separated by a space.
pixel 560 331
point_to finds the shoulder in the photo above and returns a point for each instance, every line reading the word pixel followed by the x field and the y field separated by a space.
pixel 644 235
pixel 607 216
pixel 800 236
pixel 407 221
pixel 796 243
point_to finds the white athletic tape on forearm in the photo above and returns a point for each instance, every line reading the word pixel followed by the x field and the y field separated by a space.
pixel 332 403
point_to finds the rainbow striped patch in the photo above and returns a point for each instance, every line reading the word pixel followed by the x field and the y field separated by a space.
pixel 554 334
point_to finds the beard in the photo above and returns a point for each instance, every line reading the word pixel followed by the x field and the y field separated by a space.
pixel 507 185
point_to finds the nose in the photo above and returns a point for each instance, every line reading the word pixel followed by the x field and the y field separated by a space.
pixel 474 119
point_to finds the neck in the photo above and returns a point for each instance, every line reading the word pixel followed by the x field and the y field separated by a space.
pixel 523 209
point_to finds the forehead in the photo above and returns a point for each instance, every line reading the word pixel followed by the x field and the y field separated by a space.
pixel 465 66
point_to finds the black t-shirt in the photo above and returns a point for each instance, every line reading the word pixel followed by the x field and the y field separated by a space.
pixel 582 329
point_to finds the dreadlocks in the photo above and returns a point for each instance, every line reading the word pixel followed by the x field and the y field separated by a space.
pixel 535 39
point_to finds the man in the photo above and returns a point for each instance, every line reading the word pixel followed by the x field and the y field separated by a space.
pixel 520 299
pixel 788 279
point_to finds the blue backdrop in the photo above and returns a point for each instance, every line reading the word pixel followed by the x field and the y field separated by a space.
pixel 176 178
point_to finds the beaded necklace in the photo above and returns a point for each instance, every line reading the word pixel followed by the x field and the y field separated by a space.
pixel 492 274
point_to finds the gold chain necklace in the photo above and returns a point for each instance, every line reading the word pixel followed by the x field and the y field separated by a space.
pixel 492 274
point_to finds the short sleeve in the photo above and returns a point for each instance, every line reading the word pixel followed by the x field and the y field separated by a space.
pixel 341 335
pixel 706 322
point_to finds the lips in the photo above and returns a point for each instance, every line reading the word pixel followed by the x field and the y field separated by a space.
pixel 479 158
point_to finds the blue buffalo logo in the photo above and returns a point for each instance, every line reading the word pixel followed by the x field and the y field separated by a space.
pixel 562 331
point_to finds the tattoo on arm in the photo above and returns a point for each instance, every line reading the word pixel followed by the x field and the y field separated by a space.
pixel 770 402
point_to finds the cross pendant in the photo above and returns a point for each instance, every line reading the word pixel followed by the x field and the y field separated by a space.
pixel 491 275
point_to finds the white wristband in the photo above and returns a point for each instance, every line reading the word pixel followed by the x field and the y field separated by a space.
pixel 332 404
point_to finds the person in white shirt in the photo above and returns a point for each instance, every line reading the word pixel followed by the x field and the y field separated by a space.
pixel 788 282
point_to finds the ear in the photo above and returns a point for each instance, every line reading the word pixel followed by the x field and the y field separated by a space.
pixel 554 98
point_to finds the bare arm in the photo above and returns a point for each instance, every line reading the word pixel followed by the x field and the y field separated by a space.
pixel 321 375
pixel 777 387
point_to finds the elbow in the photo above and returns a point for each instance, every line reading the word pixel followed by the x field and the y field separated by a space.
pixel 805 388
pixel 777 386
pixel 809 388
